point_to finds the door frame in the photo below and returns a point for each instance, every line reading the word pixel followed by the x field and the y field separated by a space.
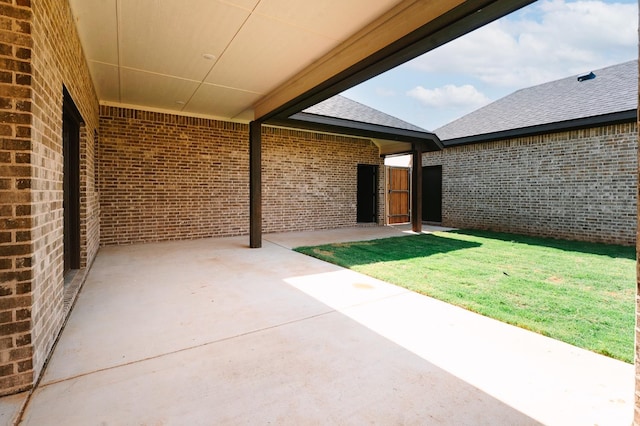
pixel 372 173
pixel 426 200
pixel 71 124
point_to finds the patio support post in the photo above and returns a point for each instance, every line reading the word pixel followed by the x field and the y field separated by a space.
pixel 255 184
pixel 416 188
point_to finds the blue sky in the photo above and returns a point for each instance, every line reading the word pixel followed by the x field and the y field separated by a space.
pixel 545 41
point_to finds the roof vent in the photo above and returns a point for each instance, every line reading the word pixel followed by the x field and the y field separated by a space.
pixel 584 77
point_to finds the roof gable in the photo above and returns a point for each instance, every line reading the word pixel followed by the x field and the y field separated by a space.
pixel 613 90
pixel 344 116
pixel 347 109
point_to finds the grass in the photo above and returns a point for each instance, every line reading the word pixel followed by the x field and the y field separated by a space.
pixel 580 293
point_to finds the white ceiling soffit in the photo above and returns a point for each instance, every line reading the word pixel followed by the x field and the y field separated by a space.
pixel 388 147
pixel 209 57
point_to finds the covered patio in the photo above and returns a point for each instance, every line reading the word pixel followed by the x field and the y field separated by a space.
pixel 136 131
pixel 208 332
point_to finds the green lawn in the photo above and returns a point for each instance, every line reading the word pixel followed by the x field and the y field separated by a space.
pixel 580 293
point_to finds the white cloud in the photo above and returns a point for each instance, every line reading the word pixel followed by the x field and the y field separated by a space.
pixel 547 40
pixel 465 96
pixel 550 39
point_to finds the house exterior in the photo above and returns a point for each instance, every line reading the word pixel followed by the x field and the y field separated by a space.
pixel 134 121
pixel 556 160
pixel 159 178
pixel 114 132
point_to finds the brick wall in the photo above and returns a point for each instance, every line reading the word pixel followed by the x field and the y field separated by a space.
pixel 15 197
pixel 576 185
pixel 166 177
pixel 40 52
pixel 58 61
pixel 310 179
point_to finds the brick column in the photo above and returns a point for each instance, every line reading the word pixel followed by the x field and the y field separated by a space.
pixel 16 250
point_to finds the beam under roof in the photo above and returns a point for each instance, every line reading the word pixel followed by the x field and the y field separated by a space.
pixel 427 140
pixel 408 30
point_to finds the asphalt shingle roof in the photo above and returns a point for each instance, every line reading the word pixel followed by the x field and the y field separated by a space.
pixel 613 90
pixel 347 109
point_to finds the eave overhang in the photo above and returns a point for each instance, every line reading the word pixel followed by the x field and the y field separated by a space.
pixel 320 123
pixel 316 83
pixel 561 126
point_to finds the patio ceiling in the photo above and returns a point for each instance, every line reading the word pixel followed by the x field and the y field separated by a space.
pixel 248 59
pixel 218 57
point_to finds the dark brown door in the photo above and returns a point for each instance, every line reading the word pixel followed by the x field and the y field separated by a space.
pixel 432 194
pixel 71 187
pixel 398 195
pixel 367 193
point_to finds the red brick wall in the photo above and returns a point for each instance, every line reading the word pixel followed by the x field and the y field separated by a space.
pixel 16 220
pixel 58 61
pixel 166 177
pixel 578 185
pixel 310 179
pixel 40 53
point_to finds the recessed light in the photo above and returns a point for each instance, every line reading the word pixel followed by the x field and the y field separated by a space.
pixel 180 102
pixel 209 56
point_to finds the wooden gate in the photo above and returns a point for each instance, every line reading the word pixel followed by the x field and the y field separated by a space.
pixel 398 195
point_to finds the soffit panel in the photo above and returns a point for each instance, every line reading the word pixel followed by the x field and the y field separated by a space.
pixel 154 90
pixel 219 101
pixel 265 53
pixel 97 25
pixel 245 4
pixel 259 45
pixel 245 116
pixel 334 19
pixel 106 80
pixel 392 147
pixel 172 39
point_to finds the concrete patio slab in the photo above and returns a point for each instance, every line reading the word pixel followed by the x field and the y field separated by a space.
pixel 303 372
pixel 11 406
pixel 211 332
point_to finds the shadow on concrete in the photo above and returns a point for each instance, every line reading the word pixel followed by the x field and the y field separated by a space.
pixel 203 332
